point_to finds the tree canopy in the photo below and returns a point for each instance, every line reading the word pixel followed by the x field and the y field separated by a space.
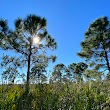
pixel 96 45
pixel 29 53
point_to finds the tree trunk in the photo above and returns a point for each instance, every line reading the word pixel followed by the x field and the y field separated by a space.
pixel 107 61
pixel 28 69
pixel 106 57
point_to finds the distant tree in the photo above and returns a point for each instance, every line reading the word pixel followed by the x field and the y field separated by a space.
pixel 77 70
pixel 96 45
pixel 37 72
pixel 10 66
pixel 28 40
pixel 59 72
pixel 93 75
pixel 107 76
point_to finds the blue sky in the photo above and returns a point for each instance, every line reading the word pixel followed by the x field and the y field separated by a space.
pixel 67 20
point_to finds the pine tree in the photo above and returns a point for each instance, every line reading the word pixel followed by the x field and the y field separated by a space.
pixel 96 45
pixel 30 40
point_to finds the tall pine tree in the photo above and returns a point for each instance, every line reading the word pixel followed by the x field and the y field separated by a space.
pixel 96 45
pixel 30 40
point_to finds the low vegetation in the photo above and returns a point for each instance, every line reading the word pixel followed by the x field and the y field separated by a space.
pixel 55 96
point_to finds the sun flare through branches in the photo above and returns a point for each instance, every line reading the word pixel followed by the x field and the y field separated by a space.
pixel 36 40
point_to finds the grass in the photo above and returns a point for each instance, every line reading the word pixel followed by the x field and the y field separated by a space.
pixel 82 96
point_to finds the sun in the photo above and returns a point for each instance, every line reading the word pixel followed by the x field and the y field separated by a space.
pixel 36 40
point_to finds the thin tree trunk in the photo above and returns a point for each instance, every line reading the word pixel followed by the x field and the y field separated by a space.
pixel 107 61
pixel 28 69
pixel 106 56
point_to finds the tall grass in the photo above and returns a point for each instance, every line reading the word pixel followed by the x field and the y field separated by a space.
pixel 82 96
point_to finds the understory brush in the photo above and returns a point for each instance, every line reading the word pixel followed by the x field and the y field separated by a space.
pixel 81 96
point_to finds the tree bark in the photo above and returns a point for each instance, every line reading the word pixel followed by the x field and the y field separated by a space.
pixel 106 57
pixel 107 61
pixel 28 69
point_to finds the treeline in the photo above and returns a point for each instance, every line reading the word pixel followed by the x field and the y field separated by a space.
pixel 30 42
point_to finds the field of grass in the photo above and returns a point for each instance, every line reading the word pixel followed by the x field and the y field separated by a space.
pixel 56 96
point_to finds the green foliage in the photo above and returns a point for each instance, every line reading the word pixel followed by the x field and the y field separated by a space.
pixel 58 72
pixel 93 75
pixel 96 45
pixel 77 70
pixel 81 96
pixel 66 89
pixel 27 54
